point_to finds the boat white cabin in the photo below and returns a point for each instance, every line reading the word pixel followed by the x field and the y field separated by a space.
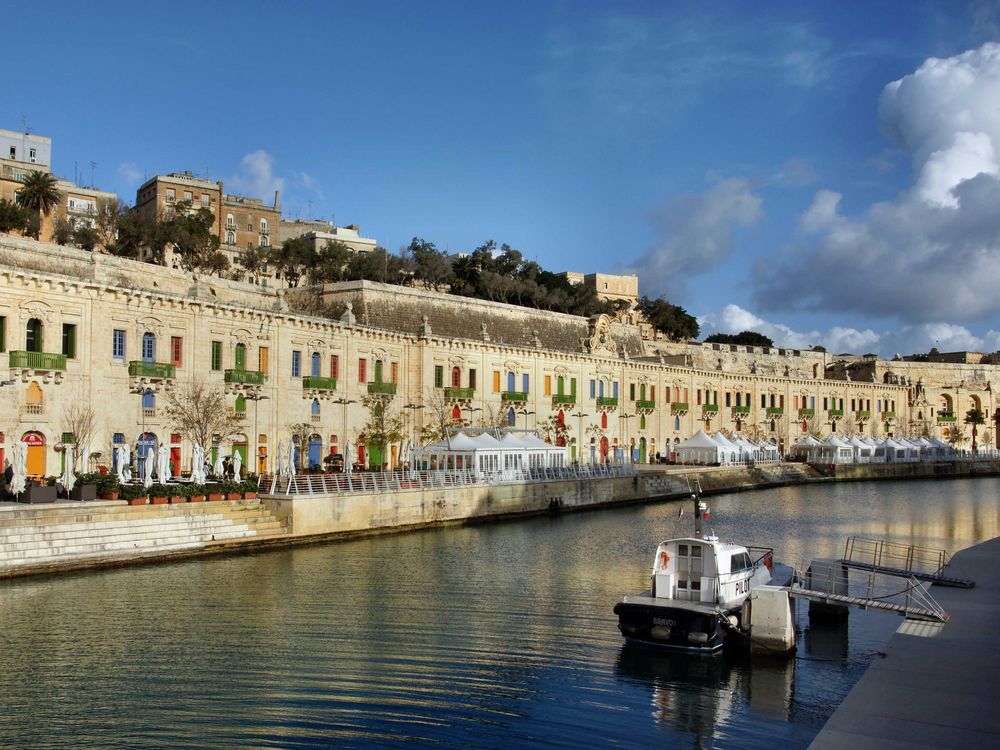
pixel 707 571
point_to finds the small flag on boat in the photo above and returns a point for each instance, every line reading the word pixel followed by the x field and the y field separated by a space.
pixel 680 511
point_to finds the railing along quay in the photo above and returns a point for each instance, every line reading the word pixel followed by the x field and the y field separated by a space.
pixel 402 481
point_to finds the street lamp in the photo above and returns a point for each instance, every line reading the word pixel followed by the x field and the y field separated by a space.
pixel 579 451
pixel 625 443
pixel 344 402
pixel 412 409
pixel 255 397
pixel 142 391
pixel 525 412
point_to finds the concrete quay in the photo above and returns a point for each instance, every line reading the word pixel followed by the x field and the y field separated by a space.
pixel 938 686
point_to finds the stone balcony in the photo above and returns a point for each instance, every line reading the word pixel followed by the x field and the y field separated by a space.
pixel 454 393
pixel 378 388
pixel 50 366
pixel 314 385
pixel 679 408
pixel 563 399
pixel 516 396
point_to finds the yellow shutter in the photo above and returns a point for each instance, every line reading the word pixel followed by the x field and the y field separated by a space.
pixel 548 385
pixel 496 381
pixel 262 359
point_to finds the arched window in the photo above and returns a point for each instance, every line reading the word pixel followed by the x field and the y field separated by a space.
pixel 148 347
pixel 604 420
pixel 642 421
pixel 148 400
pixel 33 335
pixel 456 377
pixel 560 384
pixel 314 366
pixel 561 419
pixel 230 224
pixel 240 357
pixel 511 417
pixel 511 385
pixel 677 423
pixel 456 413
pixel 263 226
pixel 230 237
pixel 600 388
pixel 314 408
pixel 241 405
pixel 378 371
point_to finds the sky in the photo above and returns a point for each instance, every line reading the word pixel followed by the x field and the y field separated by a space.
pixel 824 173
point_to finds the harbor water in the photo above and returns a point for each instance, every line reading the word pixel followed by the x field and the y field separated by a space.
pixel 497 635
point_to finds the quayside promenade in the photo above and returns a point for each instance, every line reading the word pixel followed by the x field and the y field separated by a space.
pixel 938 685
pixel 42 539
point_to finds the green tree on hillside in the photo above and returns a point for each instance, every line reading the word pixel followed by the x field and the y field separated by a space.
pixel 672 321
pixel 743 338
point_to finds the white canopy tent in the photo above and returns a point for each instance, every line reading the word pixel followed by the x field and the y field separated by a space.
pixel 863 452
pixel 488 452
pixel 700 448
pixel 803 448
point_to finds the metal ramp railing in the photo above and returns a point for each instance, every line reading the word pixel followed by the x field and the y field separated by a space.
pixel 828 582
pixel 896 558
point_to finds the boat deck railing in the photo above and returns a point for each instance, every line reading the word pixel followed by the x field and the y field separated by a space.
pixel 405 480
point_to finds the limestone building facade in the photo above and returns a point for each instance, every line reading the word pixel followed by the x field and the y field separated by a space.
pixel 77 327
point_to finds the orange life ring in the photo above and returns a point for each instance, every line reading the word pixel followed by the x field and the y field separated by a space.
pixel 664 559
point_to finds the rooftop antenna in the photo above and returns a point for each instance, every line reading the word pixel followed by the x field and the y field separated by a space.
pixel 93 168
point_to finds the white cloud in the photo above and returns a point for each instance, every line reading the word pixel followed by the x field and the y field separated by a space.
pixel 696 234
pixel 933 253
pixel 130 172
pixel 256 177
pixel 838 339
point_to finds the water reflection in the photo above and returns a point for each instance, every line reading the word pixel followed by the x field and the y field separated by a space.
pixel 498 635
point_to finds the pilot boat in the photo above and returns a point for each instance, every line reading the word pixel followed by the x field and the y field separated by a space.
pixel 699 586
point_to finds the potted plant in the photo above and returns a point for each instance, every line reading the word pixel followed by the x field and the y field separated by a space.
pixel 85 487
pixel 158 493
pixel 134 494
pixel 232 489
pixel 108 486
pixel 214 492
pixel 196 493
pixel 179 493
pixel 35 492
pixel 249 486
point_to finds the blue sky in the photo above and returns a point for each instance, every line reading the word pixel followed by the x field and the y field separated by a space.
pixel 746 160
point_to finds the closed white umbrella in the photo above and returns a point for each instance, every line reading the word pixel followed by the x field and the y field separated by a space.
pixel 84 457
pixel 218 468
pixel 19 463
pixel 198 464
pixel 281 458
pixel 147 466
pixel 237 465
pixel 67 476
pixel 348 460
pixel 290 461
pixel 163 464
pixel 124 463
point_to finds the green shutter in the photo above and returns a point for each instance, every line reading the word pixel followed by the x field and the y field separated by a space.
pixel 3 333
pixel 216 355
pixel 69 340
pixel 572 386
pixel 438 376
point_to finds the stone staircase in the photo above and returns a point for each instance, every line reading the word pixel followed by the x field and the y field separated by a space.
pixel 34 538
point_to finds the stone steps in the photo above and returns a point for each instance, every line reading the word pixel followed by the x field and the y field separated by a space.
pixel 75 533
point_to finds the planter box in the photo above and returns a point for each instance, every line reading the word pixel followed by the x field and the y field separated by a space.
pixel 177 499
pixel 157 501
pixel 249 495
pixel 109 495
pixel 233 496
pixel 84 492
pixel 137 501
pixel 38 493
pixel 196 499
pixel 213 496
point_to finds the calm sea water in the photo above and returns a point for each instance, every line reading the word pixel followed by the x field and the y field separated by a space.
pixel 489 636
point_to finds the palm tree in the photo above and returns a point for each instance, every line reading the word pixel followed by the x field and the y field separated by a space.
pixel 38 193
pixel 974 417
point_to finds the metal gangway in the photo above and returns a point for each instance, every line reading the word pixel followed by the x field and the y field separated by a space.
pixel 895 558
pixel 827 582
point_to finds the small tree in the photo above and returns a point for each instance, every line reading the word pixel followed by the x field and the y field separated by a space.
pixel 493 417
pixel 110 212
pixel 252 261
pixel 86 237
pixel 956 436
pixel 80 420
pixel 555 431
pixel 438 416
pixel 13 218
pixel 383 427
pixel 301 432
pixel 198 411
pixel 62 231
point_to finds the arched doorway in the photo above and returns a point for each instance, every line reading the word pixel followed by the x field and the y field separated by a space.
pixel 604 420
pixel 456 377
pixel 604 449
pixel 35 463
pixel 33 335
pixel 511 417
pixel 315 451
pixel 642 450
pixel 456 413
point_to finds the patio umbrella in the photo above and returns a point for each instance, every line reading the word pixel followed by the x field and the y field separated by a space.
pixel 67 478
pixel 147 466
pixel 84 457
pixel 198 464
pixel 290 461
pixel 124 463
pixel 218 468
pixel 18 462
pixel 163 464
pixel 281 458
pixel 348 461
pixel 237 465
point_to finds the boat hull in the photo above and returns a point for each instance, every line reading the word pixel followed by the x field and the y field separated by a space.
pixel 690 628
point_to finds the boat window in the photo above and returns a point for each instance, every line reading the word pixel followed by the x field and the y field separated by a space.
pixel 682 584
pixel 682 550
pixel 740 561
pixel 695 550
pixel 696 585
